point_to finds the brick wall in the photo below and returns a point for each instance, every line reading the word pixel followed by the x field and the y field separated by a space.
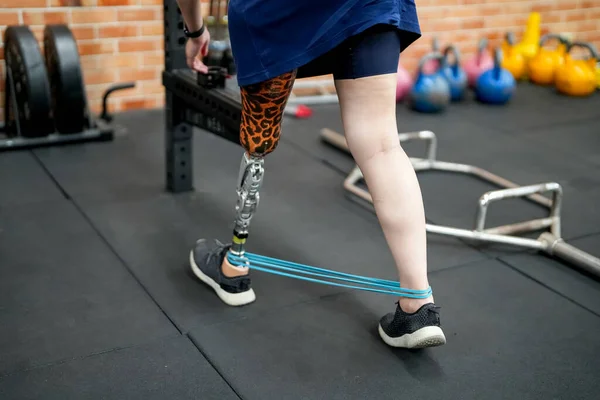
pixel 121 40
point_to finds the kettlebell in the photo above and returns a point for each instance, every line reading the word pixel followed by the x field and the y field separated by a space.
pixel 577 77
pixel 542 67
pixel 529 46
pixel 432 65
pixel 512 60
pixel 431 91
pixel 403 83
pixel 496 85
pixel 454 74
pixel 481 61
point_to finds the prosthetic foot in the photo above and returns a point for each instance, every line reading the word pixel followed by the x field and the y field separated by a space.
pixel 263 105
pixel 206 261
pixel 208 256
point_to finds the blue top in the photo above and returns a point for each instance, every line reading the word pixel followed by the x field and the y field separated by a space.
pixel 272 37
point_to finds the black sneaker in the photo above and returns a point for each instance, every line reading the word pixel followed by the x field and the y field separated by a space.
pixel 412 331
pixel 206 259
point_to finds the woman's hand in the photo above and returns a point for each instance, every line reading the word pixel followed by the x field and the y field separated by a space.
pixel 195 50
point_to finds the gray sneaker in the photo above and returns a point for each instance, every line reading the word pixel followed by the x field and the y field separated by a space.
pixel 206 259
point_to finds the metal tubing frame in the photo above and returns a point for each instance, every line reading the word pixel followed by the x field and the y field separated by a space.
pixel 549 242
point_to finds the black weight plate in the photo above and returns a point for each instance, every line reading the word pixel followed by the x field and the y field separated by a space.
pixel 28 95
pixel 66 79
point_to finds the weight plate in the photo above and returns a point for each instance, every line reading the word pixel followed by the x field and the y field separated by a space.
pixel 66 79
pixel 28 95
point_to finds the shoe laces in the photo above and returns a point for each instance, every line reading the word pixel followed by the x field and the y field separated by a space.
pixel 220 249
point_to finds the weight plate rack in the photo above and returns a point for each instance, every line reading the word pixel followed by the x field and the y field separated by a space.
pixel 45 99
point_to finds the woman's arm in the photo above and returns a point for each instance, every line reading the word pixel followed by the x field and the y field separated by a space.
pixel 196 47
pixel 192 13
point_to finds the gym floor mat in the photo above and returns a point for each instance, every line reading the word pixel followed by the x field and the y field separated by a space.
pixel 170 368
pixel 24 180
pixel 63 293
pixel 133 163
pixel 578 140
pixel 567 281
pixel 94 269
pixel 531 106
pixel 508 337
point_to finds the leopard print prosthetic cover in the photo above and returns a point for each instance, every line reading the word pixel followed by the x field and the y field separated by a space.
pixel 262 111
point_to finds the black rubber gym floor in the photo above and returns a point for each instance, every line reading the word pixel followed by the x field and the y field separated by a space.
pixel 97 300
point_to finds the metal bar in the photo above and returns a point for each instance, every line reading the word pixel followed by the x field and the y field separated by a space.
pixel 310 84
pixel 555 212
pixel 335 139
pixel 55 139
pixel 314 99
pixel 178 147
pixel 120 86
pixel 487 198
pixel 484 236
pixel 522 227
pixel 559 248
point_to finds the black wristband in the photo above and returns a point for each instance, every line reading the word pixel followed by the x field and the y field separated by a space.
pixel 196 34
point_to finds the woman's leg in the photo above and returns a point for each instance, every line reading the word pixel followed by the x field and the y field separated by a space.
pixel 263 105
pixel 369 119
pixel 367 94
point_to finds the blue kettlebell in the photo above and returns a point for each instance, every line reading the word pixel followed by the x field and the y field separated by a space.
pixel 430 92
pixel 454 74
pixel 496 85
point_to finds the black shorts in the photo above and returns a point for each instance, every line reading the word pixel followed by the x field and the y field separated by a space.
pixel 375 51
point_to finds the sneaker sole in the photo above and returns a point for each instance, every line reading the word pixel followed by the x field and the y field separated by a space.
pixel 232 299
pixel 429 336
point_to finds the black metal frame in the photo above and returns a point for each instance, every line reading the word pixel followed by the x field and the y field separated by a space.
pixel 190 104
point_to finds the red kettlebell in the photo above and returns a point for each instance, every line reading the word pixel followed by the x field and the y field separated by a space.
pixel 432 65
pixel 403 83
pixel 478 63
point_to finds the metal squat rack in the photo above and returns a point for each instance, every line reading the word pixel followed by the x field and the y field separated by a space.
pixel 549 241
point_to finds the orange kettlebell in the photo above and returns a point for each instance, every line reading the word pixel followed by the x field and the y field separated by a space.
pixel 577 77
pixel 542 67
pixel 513 61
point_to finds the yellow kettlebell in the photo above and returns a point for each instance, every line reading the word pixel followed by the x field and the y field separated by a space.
pixel 513 61
pixel 529 45
pixel 578 77
pixel 542 67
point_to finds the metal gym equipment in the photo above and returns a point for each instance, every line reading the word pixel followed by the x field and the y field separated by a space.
pixel 209 102
pixel 45 100
pixel 549 241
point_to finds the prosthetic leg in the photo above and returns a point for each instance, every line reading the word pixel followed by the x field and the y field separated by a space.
pixel 263 105
pixel 249 183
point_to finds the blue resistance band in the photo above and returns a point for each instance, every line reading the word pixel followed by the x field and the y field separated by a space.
pixel 272 265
